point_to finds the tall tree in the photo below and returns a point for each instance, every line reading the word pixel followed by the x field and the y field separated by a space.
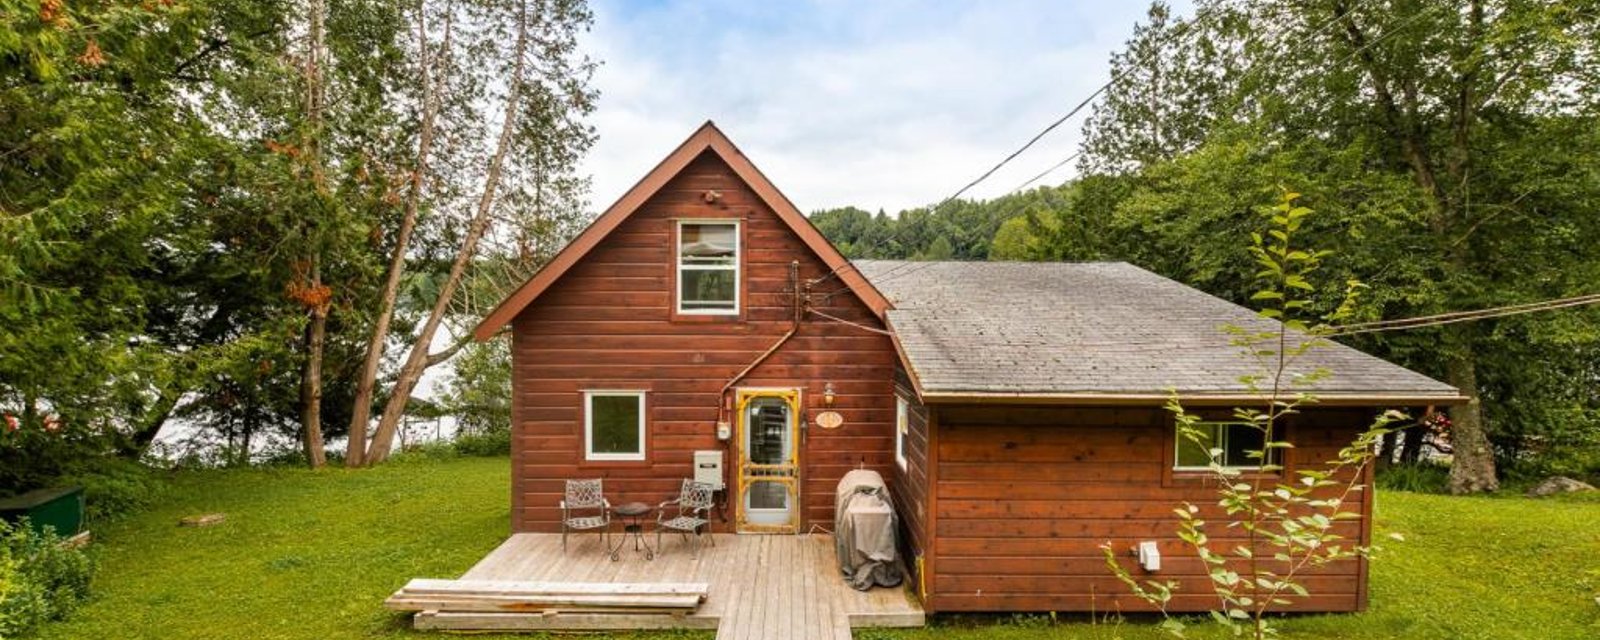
pixel 111 170
pixel 540 139
pixel 361 408
pixel 1442 94
pixel 316 297
pixel 1166 89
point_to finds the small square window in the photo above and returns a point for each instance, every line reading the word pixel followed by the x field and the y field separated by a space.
pixel 613 425
pixel 1236 440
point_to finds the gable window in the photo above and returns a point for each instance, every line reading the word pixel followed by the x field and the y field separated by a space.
pixel 613 425
pixel 1235 440
pixel 708 268
pixel 902 429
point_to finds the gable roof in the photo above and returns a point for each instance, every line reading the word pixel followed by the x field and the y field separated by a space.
pixel 1098 332
pixel 708 138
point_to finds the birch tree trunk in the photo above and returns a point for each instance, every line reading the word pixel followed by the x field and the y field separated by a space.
pixel 316 334
pixel 361 412
pixel 418 359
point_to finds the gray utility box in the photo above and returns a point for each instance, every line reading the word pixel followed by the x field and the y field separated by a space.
pixel 708 468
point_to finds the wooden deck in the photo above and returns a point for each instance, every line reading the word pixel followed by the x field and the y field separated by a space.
pixel 762 586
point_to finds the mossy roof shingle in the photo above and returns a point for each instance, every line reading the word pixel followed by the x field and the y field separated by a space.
pixel 1051 328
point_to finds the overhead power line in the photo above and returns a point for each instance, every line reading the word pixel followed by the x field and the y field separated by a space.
pixel 1315 31
pixel 853 324
pixel 1464 316
pixel 1188 27
pixel 976 181
pixel 915 266
pixel 1116 77
pixel 1046 172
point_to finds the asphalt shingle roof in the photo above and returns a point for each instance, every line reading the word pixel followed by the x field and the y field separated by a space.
pixel 1050 328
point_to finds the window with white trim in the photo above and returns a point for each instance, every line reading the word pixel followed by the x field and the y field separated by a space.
pixel 1233 443
pixel 708 267
pixel 613 425
pixel 902 429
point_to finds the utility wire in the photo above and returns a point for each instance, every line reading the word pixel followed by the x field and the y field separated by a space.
pixel 1318 30
pixel 853 324
pixel 916 265
pixel 1059 121
pixel 1117 77
pixel 833 273
pixel 902 270
pixel 1046 172
pixel 1464 316
pixel 1385 35
pixel 891 271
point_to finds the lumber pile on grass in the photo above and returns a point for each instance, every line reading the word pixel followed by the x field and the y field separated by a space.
pixel 489 605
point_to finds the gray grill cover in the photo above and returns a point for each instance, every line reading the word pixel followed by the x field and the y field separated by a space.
pixel 864 526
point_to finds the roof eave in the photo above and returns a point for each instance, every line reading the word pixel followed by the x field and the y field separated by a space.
pixel 1194 399
pixel 905 361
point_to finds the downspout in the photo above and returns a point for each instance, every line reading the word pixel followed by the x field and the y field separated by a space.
pixel 722 398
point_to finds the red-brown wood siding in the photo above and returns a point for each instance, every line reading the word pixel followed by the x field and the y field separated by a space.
pixel 1024 497
pixel 608 323
pixel 911 483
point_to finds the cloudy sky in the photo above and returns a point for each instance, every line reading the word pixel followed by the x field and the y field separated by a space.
pixel 879 104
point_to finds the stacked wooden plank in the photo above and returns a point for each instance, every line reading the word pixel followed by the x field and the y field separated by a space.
pixel 516 605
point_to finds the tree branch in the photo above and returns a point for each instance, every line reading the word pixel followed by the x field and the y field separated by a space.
pixel 449 352
pixel 213 45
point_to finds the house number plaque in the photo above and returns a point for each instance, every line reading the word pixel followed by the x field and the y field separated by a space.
pixel 830 420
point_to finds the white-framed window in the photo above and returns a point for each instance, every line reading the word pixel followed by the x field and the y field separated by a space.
pixel 708 267
pixel 613 425
pixel 902 429
pixel 1234 440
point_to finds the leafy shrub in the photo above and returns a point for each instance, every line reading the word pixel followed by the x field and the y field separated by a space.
pixel 284 457
pixel 1416 477
pixel 37 452
pixel 430 450
pixel 115 487
pixel 39 578
pixel 492 443
pixel 1575 456
pixel 22 603
pixel 51 452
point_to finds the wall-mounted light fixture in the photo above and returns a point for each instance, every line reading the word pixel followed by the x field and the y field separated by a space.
pixel 827 394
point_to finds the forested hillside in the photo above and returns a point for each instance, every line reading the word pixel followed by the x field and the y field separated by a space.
pixel 1451 149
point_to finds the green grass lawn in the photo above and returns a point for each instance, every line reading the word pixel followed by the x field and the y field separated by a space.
pixel 312 555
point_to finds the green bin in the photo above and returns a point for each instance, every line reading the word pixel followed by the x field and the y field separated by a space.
pixel 60 508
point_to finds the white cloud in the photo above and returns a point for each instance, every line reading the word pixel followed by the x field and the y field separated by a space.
pixel 875 104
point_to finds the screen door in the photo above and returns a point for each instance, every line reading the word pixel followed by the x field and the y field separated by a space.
pixel 769 469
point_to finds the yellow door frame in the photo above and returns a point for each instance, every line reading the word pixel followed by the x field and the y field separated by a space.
pixel 791 397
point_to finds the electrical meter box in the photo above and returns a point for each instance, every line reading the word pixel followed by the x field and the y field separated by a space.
pixel 708 468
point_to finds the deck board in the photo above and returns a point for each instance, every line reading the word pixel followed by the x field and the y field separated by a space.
pixel 762 586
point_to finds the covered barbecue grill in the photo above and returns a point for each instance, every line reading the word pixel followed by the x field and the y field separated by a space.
pixel 864 525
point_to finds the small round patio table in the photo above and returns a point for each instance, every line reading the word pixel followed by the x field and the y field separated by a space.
pixel 632 514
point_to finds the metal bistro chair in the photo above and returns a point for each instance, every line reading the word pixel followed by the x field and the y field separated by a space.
pixel 693 512
pixel 585 495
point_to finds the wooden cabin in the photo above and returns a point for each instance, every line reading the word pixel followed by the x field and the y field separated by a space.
pixel 1014 407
